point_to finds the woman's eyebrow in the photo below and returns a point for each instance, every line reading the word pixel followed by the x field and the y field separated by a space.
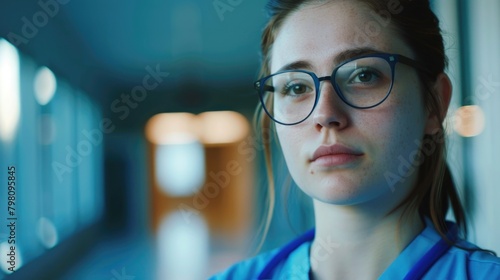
pixel 301 64
pixel 339 58
pixel 351 53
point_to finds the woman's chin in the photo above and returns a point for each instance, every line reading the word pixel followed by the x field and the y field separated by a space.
pixel 342 191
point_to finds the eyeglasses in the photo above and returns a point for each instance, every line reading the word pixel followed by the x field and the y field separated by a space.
pixel 362 82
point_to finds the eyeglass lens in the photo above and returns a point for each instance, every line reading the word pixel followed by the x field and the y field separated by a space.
pixel 361 83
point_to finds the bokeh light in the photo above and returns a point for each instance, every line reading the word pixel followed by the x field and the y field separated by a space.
pixel 469 121
pixel 45 85
pixel 10 94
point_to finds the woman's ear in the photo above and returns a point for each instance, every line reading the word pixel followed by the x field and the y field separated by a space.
pixel 443 90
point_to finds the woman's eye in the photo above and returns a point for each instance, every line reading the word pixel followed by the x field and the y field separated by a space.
pixel 364 76
pixel 297 89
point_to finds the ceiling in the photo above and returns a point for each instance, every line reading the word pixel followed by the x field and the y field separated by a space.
pixel 210 49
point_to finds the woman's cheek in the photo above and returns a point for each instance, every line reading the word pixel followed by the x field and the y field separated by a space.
pixel 288 139
pixel 292 141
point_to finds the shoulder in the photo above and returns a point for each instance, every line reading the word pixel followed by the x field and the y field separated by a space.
pixel 247 269
pixel 289 260
pixel 463 260
pixel 474 263
pixel 482 265
pixel 295 265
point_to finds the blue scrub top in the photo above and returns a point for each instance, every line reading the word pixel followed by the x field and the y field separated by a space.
pixel 455 264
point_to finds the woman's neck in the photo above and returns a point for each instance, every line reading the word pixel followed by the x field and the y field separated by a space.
pixel 354 244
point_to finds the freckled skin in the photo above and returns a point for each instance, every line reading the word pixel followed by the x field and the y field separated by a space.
pixel 316 34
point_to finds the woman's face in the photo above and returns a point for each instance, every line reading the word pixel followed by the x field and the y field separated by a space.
pixel 381 142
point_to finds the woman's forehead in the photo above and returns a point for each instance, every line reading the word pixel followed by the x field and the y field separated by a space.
pixel 320 33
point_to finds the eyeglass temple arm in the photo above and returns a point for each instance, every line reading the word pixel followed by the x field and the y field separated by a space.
pixel 413 63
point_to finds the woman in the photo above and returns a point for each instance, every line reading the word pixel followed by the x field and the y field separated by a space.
pixel 357 93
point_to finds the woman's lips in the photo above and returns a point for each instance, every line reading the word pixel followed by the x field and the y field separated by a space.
pixel 334 155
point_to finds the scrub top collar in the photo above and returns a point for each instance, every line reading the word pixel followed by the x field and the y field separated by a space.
pixel 297 265
pixel 408 258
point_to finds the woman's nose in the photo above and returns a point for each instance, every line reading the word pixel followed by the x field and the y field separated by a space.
pixel 330 111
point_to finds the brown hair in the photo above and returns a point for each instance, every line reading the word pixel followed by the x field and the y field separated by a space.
pixel 419 27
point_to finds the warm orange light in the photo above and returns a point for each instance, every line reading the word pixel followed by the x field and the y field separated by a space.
pixel 469 121
pixel 210 128
pixel 223 127
pixel 172 128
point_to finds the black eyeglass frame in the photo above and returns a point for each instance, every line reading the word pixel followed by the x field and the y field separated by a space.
pixel 392 59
